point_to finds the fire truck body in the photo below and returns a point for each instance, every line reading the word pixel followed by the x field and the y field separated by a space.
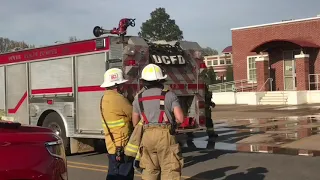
pixel 59 86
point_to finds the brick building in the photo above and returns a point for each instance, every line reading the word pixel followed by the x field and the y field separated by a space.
pixel 290 54
pixel 282 57
pixel 220 62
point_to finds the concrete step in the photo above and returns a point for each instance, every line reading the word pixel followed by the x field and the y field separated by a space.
pixel 272 102
pixel 274 98
pixel 276 92
pixel 277 95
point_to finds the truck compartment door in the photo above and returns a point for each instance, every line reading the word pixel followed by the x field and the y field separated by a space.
pixel 90 70
pixel 2 89
pixel 17 95
pixel 51 77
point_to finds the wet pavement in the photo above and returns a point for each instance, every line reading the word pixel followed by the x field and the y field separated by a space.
pixel 263 111
pixel 284 135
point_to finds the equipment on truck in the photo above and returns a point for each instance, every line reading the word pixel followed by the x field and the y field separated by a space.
pixel 58 86
pixel 121 30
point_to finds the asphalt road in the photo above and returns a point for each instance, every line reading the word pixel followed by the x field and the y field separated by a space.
pixel 213 164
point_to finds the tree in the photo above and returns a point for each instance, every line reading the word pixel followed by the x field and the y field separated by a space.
pixel 229 73
pixel 160 27
pixel 7 45
pixel 208 76
pixel 209 51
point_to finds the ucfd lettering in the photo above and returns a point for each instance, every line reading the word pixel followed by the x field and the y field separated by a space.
pixel 177 59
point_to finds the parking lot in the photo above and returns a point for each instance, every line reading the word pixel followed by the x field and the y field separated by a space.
pixel 207 164
pixel 255 142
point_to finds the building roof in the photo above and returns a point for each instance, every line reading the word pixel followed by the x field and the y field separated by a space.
pixel 227 49
pixel 277 23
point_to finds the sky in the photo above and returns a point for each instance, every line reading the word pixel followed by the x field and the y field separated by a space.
pixel 208 22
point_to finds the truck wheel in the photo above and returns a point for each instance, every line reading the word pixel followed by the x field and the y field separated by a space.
pixel 190 134
pixel 100 146
pixel 54 122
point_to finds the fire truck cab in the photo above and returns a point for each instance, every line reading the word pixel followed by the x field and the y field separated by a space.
pixel 58 86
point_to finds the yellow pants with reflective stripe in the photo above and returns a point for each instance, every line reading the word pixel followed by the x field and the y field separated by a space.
pixel 161 156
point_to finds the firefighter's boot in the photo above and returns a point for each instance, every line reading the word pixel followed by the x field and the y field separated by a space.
pixel 210 129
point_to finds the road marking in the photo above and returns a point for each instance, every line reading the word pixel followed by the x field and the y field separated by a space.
pixel 106 168
pixel 85 164
pixel 94 169
pixel 86 168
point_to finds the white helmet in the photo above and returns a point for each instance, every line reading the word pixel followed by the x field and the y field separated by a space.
pixel 113 77
pixel 152 72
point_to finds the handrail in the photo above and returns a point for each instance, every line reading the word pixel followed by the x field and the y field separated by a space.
pixel 232 86
pixel 269 79
pixel 229 82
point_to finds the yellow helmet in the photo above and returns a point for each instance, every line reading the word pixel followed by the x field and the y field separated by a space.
pixel 152 72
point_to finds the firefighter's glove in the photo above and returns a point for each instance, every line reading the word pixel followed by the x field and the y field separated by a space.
pixel 136 166
pixel 119 154
pixel 173 128
pixel 128 158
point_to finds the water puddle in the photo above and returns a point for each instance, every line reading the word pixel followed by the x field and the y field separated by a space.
pixel 297 107
pixel 297 135
pixel 272 135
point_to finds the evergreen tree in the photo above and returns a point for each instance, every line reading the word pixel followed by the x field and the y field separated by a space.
pixel 160 27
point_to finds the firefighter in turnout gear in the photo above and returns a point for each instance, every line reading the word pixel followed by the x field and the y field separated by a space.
pixel 209 105
pixel 116 112
pixel 160 110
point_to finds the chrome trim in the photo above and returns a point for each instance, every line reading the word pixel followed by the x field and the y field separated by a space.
pixel 55 143
pixel 58 57
pixel 28 90
pixel 76 95
pixel 52 143
pixel 5 90
pixel 75 91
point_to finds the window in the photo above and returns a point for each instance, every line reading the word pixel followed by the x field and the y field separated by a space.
pixel 228 61
pixel 215 62
pixel 209 63
pixel 254 148
pixel 221 62
pixel 252 71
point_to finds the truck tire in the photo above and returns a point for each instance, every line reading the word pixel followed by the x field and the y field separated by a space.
pixel 54 122
pixel 190 134
pixel 100 146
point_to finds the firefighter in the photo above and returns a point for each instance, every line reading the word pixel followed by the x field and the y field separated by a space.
pixel 161 112
pixel 116 114
pixel 209 105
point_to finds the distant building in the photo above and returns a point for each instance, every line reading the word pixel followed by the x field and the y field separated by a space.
pixel 282 57
pixel 220 62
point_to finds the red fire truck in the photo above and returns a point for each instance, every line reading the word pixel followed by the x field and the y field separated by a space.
pixel 58 86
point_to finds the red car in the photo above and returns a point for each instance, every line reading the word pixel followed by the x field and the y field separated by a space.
pixel 28 152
